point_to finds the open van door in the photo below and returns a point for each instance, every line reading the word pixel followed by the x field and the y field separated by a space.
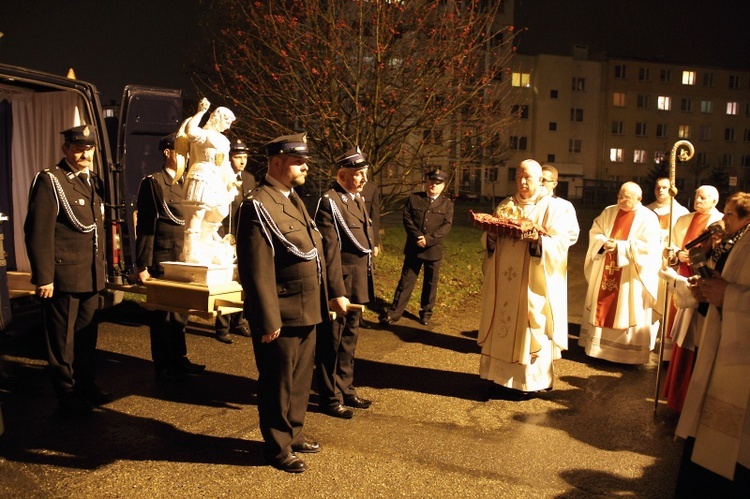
pixel 146 115
pixel 34 108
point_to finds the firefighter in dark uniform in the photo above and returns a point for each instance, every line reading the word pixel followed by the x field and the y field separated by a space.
pixel 235 323
pixel 282 272
pixel 65 243
pixel 428 217
pixel 348 241
pixel 160 234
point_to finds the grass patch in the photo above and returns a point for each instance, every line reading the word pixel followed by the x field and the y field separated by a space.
pixel 460 273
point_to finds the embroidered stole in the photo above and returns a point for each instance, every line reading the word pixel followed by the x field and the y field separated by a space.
pixel 609 291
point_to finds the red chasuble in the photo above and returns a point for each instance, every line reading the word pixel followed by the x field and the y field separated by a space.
pixel 681 365
pixel 606 303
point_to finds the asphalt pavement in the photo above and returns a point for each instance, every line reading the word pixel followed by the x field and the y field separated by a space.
pixel 434 429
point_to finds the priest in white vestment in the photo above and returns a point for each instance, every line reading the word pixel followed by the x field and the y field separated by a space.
pixel 686 321
pixel 621 267
pixel 524 321
pixel 668 210
pixel 716 411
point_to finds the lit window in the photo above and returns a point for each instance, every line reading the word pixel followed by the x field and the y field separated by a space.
pixel 644 74
pixel 683 132
pixel 576 115
pixel 620 71
pixel 659 157
pixel 665 75
pixel 579 84
pixel 574 145
pixel 521 80
pixel 686 105
pixel 642 102
pixel 704 132
pixel 615 155
pixel 734 82
pixel 732 108
pixel 618 99
pixel 708 79
pixel 617 128
pixel 664 103
pixel 688 77
pixel 661 129
pixel 639 156
pixel 707 106
pixel 640 129
pixel 729 134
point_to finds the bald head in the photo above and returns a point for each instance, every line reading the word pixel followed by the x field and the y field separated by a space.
pixel 528 178
pixel 629 196
pixel 706 198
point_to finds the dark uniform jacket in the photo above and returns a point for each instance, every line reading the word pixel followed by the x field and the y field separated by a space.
pixel 344 240
pixel 248 184
pixel 283 285
pixel 160 230
pixel 432 220
pixel 64 231
pixel 371 194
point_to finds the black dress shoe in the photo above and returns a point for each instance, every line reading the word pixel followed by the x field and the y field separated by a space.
pixel 425 321
pixel 289 463
pixel 339 411
pixel 191 368
pixel 224 338
pixel 357 402
pixel 241 330
pixel 306 447
pixel 96 395
pixel 388 320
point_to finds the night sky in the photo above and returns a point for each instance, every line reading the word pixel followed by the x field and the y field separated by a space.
pixel 112 43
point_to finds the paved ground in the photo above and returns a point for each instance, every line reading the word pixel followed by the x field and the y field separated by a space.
pixel 434 430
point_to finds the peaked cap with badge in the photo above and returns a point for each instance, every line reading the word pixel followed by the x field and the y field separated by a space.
pixel 437 175
pixel 82 135
pixel 352 158
pixel 238 147
pixel 293 145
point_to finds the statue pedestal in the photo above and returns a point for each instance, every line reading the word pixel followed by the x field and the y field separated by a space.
pixel 203 290
pixel 198 273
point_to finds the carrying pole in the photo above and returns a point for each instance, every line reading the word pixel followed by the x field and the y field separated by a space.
pixel 687 151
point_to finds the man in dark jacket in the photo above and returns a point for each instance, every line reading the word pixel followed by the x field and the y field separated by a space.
pixel 428 217
pixel 160 233
pixel 349 242
pixel 235 323
pixel 65 244
pixel 282 272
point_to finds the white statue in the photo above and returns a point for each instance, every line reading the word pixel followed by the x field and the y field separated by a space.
pixel 210 187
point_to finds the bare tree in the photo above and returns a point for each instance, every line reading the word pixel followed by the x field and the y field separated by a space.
pixel 416 84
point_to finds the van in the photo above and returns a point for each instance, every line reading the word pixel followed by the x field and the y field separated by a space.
pixel 34 108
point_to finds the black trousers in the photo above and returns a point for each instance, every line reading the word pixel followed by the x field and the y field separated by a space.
pixel 334 359
pixel 409 273
pixel 71 334
pixel 168 345
pixel 230 321
pixel 285 367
